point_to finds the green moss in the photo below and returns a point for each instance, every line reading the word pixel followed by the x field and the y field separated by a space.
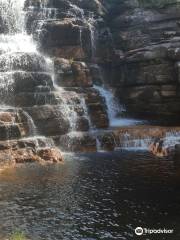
pixel 156 3
pixel 18 235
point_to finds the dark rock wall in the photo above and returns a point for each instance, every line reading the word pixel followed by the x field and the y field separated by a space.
pixel 136 43
pixel 146 38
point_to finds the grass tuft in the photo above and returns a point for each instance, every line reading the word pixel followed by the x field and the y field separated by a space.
pixel 18 235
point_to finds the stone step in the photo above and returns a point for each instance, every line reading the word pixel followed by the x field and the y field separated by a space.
pixel 30 99
pixel 28 62
pixel 28 150
pixel 49 119
pixel 9 131
pixel 74 38
pixel 20 81
pixel 15 123
pixel 37 142
pixel 72 74
pixel 137 137
pixel 76 142
pixel 96 106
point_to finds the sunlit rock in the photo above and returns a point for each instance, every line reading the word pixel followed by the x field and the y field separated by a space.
pixel 52 155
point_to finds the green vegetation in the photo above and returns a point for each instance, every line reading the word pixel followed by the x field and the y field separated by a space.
pixel 18 235
pixel 71 60
pixel 156 3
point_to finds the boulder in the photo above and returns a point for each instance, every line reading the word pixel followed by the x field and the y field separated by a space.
pixel 72 73
pixel 6 117
pixel 81 74
pixel 50 154
pixel 107 141
pixel 29 99
pixel 26 155
pixel 77 142
pixel 9 131
pixel 66 38
pixel 82 124
pixel 29 62
pixel 98 115
pixel 30 81
pixel 49 120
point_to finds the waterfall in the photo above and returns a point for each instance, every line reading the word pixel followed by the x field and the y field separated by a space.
pixel 113 108
pixel 89 21
pixel 91 25
pixel 14 39
pixel 14 42
pixel 12 15
pixel 32 127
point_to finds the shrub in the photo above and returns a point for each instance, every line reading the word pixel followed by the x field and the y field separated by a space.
pixel 18 235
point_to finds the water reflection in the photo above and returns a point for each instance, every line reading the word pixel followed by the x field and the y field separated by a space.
pixel 102 196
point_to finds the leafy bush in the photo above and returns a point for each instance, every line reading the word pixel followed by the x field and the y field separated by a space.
pixel 18 235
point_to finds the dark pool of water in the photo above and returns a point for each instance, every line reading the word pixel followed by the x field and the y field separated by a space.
pixel 102 196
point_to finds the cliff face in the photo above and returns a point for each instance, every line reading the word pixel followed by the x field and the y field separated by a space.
pixel 147 39
pixel 53 53
pixel 136 42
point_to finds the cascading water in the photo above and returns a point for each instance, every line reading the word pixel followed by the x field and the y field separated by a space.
pixel 91 25
pixel 112 105
pixel 32 127
pixel 114 109
pixel 14 43
pixel 13 40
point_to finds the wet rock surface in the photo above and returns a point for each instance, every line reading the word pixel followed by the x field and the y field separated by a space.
pixel 74 46
pixel 28 150
pixel 146 38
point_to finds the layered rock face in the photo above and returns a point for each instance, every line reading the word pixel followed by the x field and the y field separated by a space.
pixel 146 65
pixel 53 53
pixel 46 83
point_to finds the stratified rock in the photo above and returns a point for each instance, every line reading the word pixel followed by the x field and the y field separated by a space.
pixel 50 154
pixel 94 6
pixel 64 38
pixel 28 150
pixel 81 74
pixel 29 81
pixel 145 64
pixel 26 155
pixel 50 120
pixel 77 142
pixel 82 124
pixel 9 131
pixel 6 117
pixel 29 62
pixel 97 109
pixel 72 74
pixel 107 141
